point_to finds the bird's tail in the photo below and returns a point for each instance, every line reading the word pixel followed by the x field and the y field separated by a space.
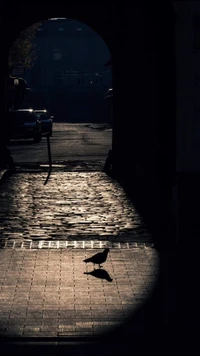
pixel 86 260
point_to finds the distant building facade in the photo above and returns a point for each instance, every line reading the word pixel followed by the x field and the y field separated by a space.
pixel 70 76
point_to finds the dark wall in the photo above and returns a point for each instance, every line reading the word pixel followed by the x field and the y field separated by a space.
pixel 144 115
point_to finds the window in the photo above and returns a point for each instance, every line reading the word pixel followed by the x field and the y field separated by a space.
pixel 80 79
pixel 97 78
pixel 57 55
pixel 61 29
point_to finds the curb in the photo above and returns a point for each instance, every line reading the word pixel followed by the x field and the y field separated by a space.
pixel 72 244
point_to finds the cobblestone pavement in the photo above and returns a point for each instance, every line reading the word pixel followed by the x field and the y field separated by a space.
pixel 46 231
pixel 71 206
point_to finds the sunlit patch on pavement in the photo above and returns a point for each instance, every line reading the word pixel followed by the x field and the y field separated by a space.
pixel 72 204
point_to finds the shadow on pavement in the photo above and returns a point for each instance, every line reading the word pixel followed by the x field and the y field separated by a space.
pixel 100 273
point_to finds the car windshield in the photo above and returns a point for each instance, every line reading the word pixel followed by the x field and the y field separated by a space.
pixel 22 116
pixel 42 115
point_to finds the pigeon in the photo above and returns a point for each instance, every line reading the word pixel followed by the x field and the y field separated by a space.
pixel 98 258
pixel 100 273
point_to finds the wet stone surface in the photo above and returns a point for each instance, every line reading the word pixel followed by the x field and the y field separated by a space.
pixel 71 206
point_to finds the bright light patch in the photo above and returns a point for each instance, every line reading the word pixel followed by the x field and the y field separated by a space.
pixel 57 18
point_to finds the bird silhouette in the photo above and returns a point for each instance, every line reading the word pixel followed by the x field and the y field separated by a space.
pixel 98 258
pixel 100 273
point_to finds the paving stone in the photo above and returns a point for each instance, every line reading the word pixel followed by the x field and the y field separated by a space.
pixel 72 203
pixel 90 298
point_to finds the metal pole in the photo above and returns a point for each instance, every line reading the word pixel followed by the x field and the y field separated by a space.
pixel 49 151
pixel 49 156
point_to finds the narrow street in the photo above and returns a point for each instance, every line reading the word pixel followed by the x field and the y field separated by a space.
pixel 69 142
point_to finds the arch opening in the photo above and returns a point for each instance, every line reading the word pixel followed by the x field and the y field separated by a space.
pixel 67 72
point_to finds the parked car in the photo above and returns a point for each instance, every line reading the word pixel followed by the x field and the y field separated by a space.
pixel 46 121
pixel 23 123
